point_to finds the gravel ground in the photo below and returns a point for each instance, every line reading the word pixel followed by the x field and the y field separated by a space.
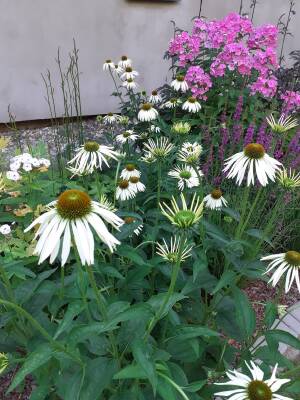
pixel 23 394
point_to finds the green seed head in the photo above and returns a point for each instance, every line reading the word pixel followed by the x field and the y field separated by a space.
pixel 254 151
pixel 259 390
pixel 293 258
pixel 91 146
pixel 73 204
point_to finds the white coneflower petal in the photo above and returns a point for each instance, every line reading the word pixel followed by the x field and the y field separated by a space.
pixel 215 200
pixel 284 263
pixel 171 253
pixel 172 103
pixel 190 152
pixel 107 65
pixel 147 112
pixel 183 217
pixel 253 158
pixel 130 220
pixel 179 84
pixel 130 171
pixel 136 185
pixel 159 148
pixel 125 62
pixel 186 175
pixel 129 73
pixel 155 97
pixel 253 387
pixel 191 105
pixel 90 157
pixel 288 179
pixel 127 136
pixel 117 70
pixel 130 84
pixel 111 118
pixel 284 123
pixel 69 218
pixel 125 191
pixel 154 128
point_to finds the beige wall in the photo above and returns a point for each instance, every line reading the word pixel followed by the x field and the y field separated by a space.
pixel 31 31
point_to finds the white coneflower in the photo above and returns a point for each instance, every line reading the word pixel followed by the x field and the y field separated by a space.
pixel 130 84
pixel 105 203
pixel 136 184
pixel 5 229
pixel 215 200
pixel 124 120
pixel 183 217
pixel 127 136
pixel 284 263
pixel 191 105
pixel 124 190
pixel 155 97
pixel 147 112
pixel 111 118
pixel 172 103
pixel 90 157
pixel 254 157
pixel 154 128
pixel 180 84
pixel 148 157
pixel 13 175
pixel 139 226
pixel 189 152
pixel 253 387
pixel 130 171
pixel 107 65
pixel 171 254
pixel 129 73
pixel 159 148
pixel 125 62
pixel 288 179
pixel 181 128
pixel 284 124
pixel 117 70
pixel 69 220
pixel 186 175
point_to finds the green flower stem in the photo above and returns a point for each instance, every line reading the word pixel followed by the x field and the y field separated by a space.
pixel 170 291
pixel 81 279
pixel 102 307
pixel 269 225
pixel 116 180
pixel 254 204
pixel 158 182
pixel 243 213
pixel 62 280
pixel 178 388
pixel 42 331
pixel 98 185
pixel 116 86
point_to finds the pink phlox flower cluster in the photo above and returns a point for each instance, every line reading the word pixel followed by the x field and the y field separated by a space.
pixel 185 46
pixel 266 86
pixel 291 101
pixel 224 31
pixel 263 36
pixel 233 56
pixel 198 81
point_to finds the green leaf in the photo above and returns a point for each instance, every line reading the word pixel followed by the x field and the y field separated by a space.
pixel 258 234
pixel 157 300
pixel 36 359
pixel 189 332
pixel 133 371
pixel 142 356
pixel 270 314
pixel 283 337
pixel 227 278
pixel 194 386
pixel 98 375
pixel 73 310
pixel 131 254
pixel 245 315
pixel 200 264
